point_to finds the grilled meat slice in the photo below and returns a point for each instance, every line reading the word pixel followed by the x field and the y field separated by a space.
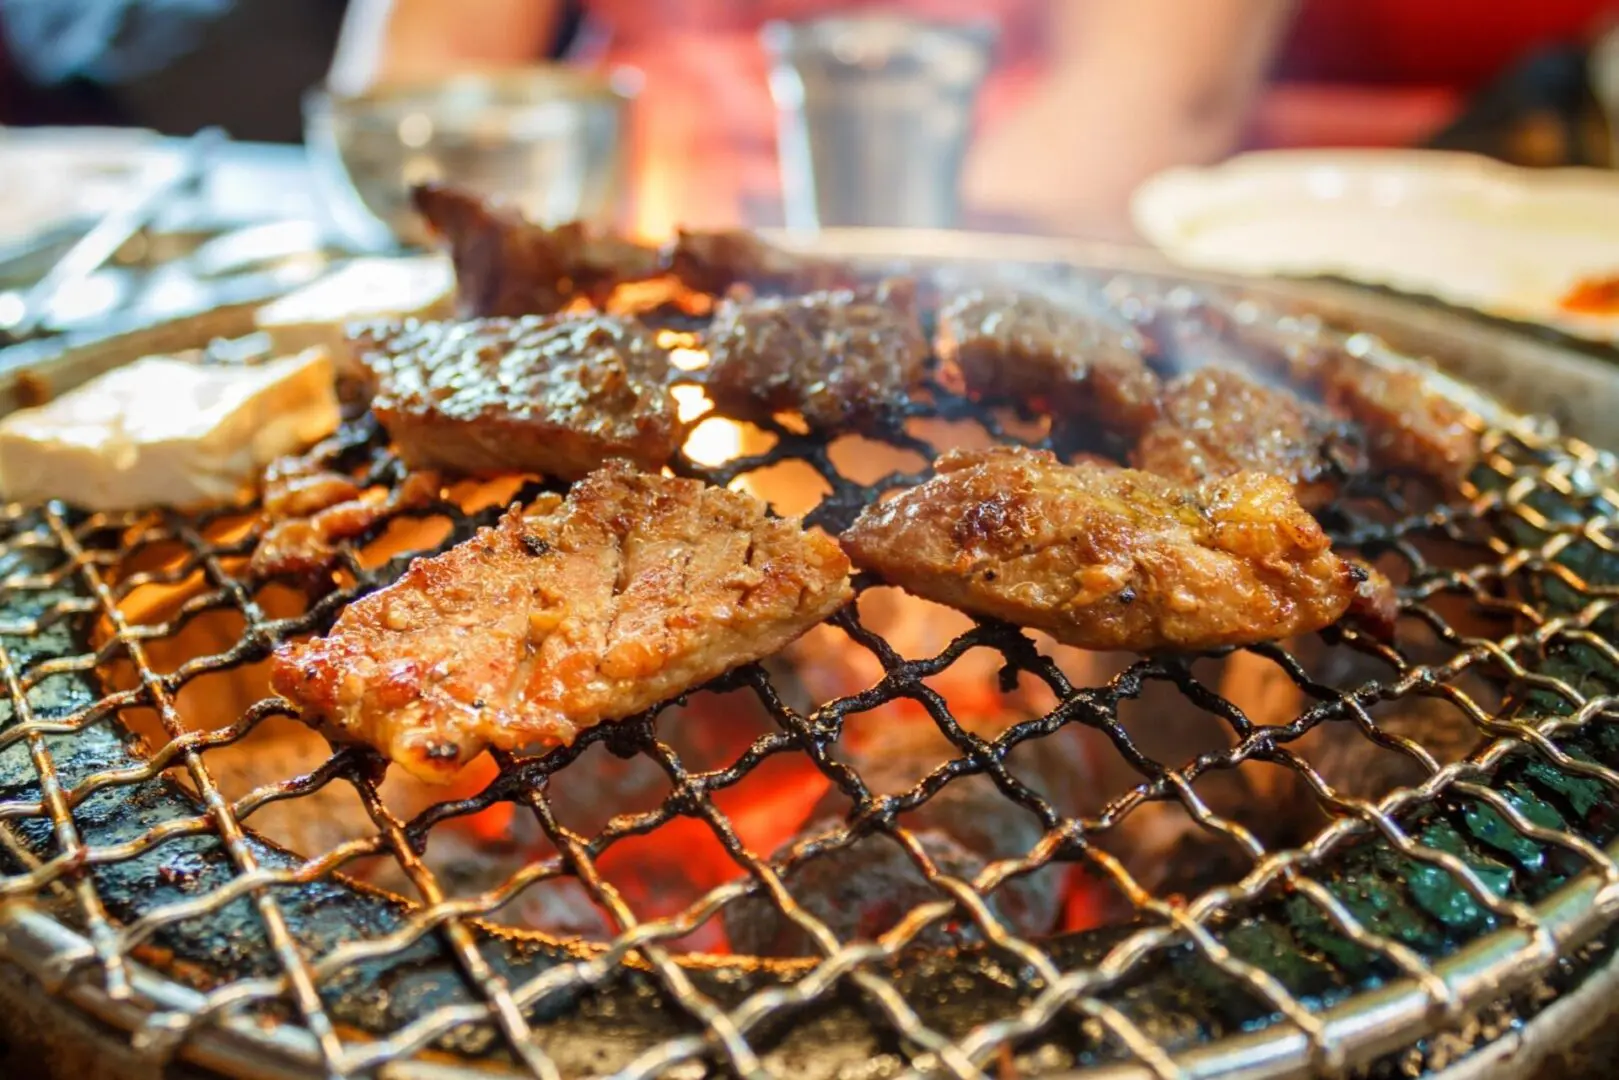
pixel 1217 422
pixel 838 358
pixel 713 262
pixel 556 394
pixel 506 265
pixel 1033 350
pixel 1108 558
pixel 635 588
pixel 1416 419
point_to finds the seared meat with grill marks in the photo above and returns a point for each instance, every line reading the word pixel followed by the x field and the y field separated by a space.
pixel 713 262
pixel 635 588
pixel 1217 422
pixel 1416 418
pixel 1030 349
pixel 506 265
pixel 556 395
pixel 862 890
pixel 1108 558
pixel 838 358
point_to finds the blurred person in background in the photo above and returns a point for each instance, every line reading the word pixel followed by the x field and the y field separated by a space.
pixel 1087 97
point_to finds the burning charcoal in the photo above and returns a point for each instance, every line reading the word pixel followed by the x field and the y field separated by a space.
pixel 1358 768
pixel 1169 854
pixel 310 824
pixel 863 890
pixel 466 864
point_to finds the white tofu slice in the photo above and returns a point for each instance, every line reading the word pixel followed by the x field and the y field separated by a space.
pixel 167 431
pixel 365 289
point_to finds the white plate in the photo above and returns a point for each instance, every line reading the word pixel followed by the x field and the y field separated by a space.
pixel 1473 232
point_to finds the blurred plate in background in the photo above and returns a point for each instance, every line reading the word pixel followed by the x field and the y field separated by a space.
pixel 1514 243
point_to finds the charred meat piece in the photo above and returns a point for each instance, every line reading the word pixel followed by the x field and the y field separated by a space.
pixel 1217 422
pixel 1114 559
pixel 302 484
pixel 307 544
pixel 556 394
pixel 1033 350
pixel 634 589
pixel 863 889
pixel 714 262
pixel 1416 419
pixel 838 358
pixel 506 265
pixel 311 505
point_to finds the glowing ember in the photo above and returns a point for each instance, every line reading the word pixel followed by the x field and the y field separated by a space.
pixel 682 357
pixel 664 872
pixel 715 440
pixel 493 824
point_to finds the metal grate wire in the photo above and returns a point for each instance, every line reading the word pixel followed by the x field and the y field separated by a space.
pixel 1525 547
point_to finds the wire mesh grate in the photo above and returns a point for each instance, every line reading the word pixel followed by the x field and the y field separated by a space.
pixel 1237 840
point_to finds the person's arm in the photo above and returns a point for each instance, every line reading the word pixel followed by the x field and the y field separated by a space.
pixel 392 41
pixel 1135 86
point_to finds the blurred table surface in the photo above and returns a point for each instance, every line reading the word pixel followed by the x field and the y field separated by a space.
pixel 254 225
pixel 251 183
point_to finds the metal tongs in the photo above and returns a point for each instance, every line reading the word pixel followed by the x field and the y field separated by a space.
pixel 24 320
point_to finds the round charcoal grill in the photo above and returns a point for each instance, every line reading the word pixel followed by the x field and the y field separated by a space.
pixel 1464 913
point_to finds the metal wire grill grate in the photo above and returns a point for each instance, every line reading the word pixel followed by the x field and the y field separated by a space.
pixel 1487 715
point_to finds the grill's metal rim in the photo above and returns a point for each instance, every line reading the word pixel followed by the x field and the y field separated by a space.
pixel 1379 1021
pixel 1368 1023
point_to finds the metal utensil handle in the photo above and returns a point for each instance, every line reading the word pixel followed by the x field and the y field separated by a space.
pixel 114 229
